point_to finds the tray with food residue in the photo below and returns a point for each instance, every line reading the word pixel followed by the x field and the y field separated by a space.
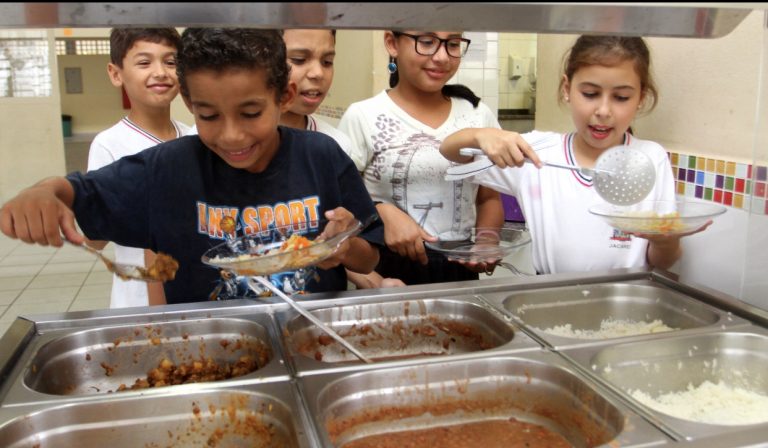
pixel 403 330
pixel 265 416
pixel 605 312
pixel 126 358
pixel 529 399
pixel 694 385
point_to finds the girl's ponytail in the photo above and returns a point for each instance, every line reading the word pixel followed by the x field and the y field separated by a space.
pixel 461 91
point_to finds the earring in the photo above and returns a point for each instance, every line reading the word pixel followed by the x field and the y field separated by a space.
pixel 392 66
pixel 567 99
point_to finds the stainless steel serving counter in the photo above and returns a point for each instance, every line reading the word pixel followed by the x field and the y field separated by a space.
pixel 476 350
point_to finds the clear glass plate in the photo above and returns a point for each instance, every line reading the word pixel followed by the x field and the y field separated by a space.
pixel 262 253
pixel 659 217
pixel 484 245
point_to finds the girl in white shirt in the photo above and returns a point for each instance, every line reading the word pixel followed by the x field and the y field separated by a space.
pixel 396 137
pixel 606 81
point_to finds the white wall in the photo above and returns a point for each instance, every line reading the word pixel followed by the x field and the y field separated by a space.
pixel 730 256
pixel 99 105
pixel 31 139
pixel 479 69
pixel 354 64
pixel 707 91
pixel 521 48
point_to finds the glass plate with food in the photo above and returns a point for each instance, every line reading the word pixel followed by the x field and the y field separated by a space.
pixel 483 245
pixel 659 217
pixel 278 249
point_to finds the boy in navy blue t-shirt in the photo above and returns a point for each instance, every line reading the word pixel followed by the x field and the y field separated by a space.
pixel 171 198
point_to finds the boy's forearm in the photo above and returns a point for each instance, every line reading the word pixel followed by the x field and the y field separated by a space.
pixel 60 187
pixel 464 138
pixel 664 255
pixel 365 281
pixel 41 214
pixel 490 210
pixel 362 257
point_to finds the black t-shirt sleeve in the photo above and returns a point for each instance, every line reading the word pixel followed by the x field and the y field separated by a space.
pixel 112 203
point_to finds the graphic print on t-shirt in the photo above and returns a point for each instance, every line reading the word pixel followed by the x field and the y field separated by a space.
pixel 620 240
pixel 406 161
pixel 299 213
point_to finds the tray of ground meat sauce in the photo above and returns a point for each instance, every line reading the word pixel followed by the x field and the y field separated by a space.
pixel 626 358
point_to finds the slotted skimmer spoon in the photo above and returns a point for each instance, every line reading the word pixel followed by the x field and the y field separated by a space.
pixel 328 330
pixel 621 176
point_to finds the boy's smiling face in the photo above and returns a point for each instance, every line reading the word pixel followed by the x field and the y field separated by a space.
pixel 237 115
pixel 148 74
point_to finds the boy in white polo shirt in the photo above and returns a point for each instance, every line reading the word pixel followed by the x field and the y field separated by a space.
pixel 143 62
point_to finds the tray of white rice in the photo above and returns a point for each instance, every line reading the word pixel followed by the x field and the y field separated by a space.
pixel 605 312
pixel 692 385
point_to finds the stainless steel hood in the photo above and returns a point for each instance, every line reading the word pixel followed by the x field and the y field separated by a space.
pixel 701 20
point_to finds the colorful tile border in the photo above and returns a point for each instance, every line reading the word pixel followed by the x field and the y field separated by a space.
pixel 738 185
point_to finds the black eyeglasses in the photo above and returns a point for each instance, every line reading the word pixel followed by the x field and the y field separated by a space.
pixel 428 45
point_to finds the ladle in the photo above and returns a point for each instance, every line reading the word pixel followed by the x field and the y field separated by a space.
pixel 621 176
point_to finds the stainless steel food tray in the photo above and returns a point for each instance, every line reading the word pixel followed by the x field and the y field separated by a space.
pixel 26 393
pixel 409 330
pixel 264 415
pixel 535 387
pixel 82 363
pixel 737 356
pixel 546 312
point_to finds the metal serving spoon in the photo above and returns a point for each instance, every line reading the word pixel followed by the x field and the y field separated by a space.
pixel 166 267
pixel 275 290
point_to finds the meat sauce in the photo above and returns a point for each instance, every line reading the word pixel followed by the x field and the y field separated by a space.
pixel 167 373
pixel 487 434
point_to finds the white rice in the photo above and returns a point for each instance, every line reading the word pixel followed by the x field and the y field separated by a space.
pixel 610 328
pixel 711 403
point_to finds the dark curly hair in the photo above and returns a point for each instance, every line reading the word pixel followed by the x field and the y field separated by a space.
pixel 221 49
pixel 122 39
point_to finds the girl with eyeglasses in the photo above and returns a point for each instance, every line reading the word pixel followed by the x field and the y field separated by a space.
pixel 396 137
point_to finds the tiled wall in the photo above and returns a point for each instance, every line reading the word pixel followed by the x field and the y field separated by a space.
pixel 479 68
pixel 738 185
pixel 517 93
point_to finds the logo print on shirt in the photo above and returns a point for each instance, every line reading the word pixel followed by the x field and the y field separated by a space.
pixel 620 240
pixel 300 213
